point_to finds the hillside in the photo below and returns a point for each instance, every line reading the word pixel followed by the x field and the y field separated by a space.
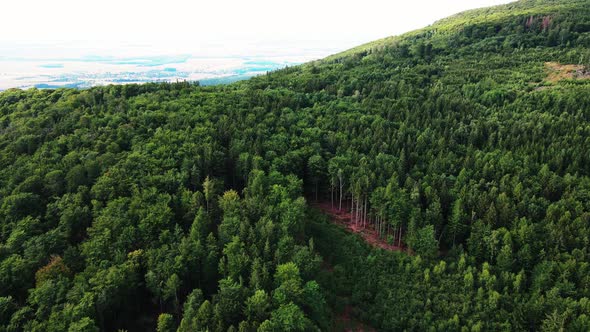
pixel 184 207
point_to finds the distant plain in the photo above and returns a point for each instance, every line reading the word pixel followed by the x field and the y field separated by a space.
pixel 83 65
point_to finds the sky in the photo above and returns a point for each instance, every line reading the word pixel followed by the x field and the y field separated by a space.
pixel 180 25
pixel 83 43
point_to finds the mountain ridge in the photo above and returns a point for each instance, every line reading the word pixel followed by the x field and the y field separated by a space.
pixel 179 207
pixel 456 21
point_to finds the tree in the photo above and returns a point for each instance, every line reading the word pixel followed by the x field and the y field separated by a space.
pixel 288 284
pixel 315 304
pixel 171 289
pixel 289 317
pixel 292 216
pixel 337 167
pixel 55 182
pixel 237 259
pixel 85 324
pixel 232 210
pixel 204 318
pixel 424 242
pixel 165 323
pixel 257 306
pixel 316 167
pixel 53 269
pixel 458 221
pixel 7 308
pixel 210 190
pixel 229 301
pixel 190 310
pixel 76 177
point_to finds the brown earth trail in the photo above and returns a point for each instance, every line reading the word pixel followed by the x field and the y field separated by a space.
pixel 344 218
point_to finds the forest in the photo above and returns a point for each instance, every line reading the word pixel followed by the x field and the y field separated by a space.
pixel 180 207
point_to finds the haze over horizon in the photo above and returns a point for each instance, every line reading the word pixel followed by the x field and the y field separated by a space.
pixel 62 43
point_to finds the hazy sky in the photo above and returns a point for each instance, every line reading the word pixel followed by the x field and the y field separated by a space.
pixel 97 42
pixel 168 22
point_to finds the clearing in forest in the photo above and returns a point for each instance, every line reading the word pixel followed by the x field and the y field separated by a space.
pixel 557 72
pixel 344 218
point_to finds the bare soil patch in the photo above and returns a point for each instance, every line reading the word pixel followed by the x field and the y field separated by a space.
pixel 343 218
pixel 557 72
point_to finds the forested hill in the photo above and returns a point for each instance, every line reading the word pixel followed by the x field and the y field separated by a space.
pixel 181 207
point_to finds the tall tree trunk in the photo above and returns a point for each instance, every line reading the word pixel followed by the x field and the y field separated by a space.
pixel 362 213
pixel 332 196
pixel 356 211
pixel 359 210
pixel 365 211
pixel 340 203
pixel 316 191
pixel 353 208
pixel 363 216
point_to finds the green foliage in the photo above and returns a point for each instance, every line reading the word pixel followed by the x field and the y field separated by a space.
pixel 288 317
pixel 257 306
pixel 165 323
pixel 423 241
pixel 83 325
pixel 466 143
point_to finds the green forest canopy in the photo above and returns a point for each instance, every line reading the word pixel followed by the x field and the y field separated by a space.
pixel 180 207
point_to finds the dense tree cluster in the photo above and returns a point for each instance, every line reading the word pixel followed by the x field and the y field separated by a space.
pixel 181 207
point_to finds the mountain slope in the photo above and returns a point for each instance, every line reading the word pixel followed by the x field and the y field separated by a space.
pixel 175 206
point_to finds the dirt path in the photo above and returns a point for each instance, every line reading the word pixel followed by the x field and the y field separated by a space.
pixel 343 218
pixel 346 323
